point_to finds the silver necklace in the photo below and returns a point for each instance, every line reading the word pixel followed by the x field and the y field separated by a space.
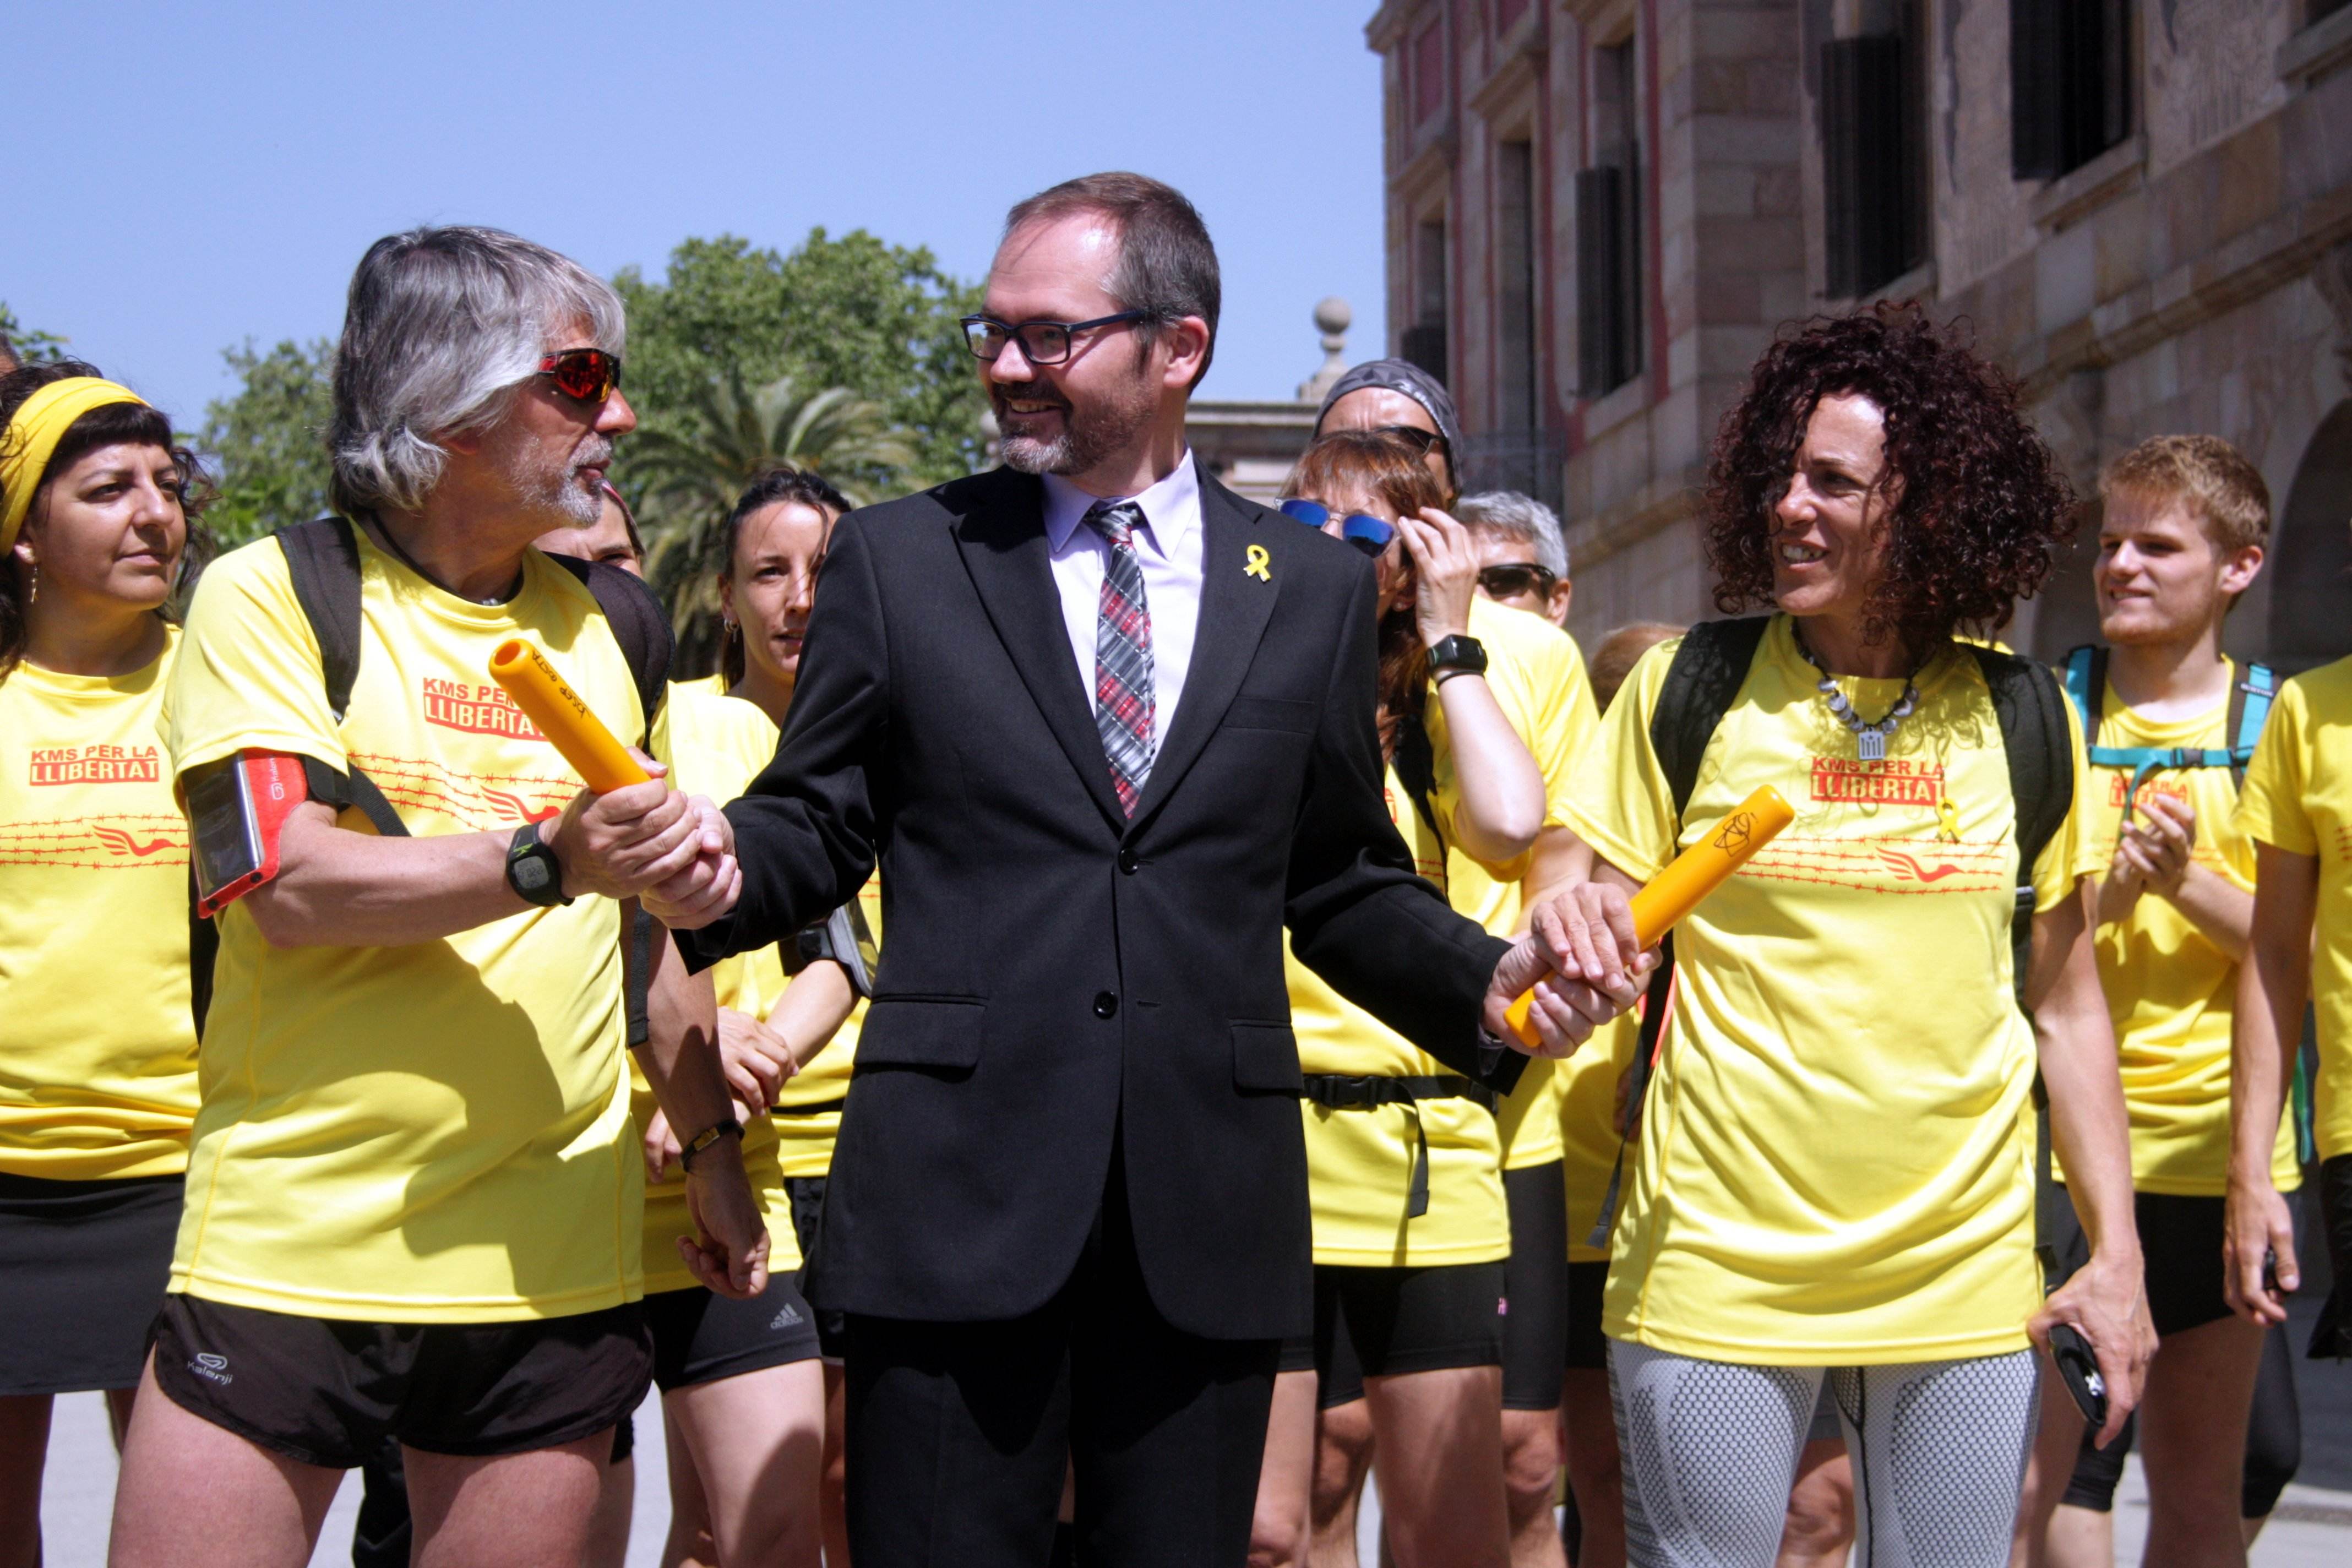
pixel 1869 740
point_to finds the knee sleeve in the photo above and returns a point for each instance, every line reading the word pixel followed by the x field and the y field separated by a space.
pixel 2098 1471
pixel 2274 1428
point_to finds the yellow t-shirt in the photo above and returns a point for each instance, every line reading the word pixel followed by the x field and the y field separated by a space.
pixel 439 1131
pixel 1588 1129
pixel 1537 677
pixel 805 1136
pixel 715 744
pixel 2172 992
pixel 1836 1161
pixel 98 1051
pixel 1359 1161
pixel 2298 798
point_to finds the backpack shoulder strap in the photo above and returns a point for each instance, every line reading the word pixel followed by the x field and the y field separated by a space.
pixel 639 625
pixel 2085 677
pixel 2026 700
pixel 2250 709
pixel 1709 669
pixel 322 561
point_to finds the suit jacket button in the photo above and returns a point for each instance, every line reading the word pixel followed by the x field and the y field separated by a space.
pixel 1106 1004
pixel 1128 862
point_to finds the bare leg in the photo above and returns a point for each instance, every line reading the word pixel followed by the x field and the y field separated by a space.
pixel 2079 1538
pixel 193 1495
pixel 513 1510
pixel 1594 1472
pixel 1279 1530
pixel 836 1524
pixel 689 1542
pixel 2056 1444
pixel 1819 1532
pixel 1343 1457
pixel 2192 1439
pixel 616 1501
pixel 24 1455
pixel 1441 1467
pixel 758 1445
pixel 1530 1477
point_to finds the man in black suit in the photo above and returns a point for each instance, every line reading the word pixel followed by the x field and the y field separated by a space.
pixel 1109 728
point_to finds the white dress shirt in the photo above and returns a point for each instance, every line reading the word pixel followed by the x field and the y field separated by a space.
pixel 1167 547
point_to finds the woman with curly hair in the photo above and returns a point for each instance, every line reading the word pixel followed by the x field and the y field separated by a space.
pixel 1835 1175
pixel 98 1042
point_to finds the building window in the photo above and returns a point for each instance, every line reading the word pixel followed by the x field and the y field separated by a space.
pixel 1515 225
pixel 1608 231
pixel 1429 70
pixel 1873 158
pixel 1424 340
pixel 2069 83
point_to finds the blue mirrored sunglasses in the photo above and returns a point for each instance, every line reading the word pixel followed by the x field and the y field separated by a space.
pixel 1369 534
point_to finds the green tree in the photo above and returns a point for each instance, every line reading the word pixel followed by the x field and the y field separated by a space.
pixel 691 477
pixel 30 345
pixel 854 312
pixel 269 439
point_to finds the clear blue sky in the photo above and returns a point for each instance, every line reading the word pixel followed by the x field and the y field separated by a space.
pixel 180 178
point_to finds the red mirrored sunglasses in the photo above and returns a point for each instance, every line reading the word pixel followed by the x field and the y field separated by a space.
pixel 589 376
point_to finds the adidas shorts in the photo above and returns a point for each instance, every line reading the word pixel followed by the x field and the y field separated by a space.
pixel 701 1338
pixel 329 1392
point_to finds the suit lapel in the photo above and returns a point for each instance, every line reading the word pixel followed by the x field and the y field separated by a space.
pixel 1003 541
pixel 1234 610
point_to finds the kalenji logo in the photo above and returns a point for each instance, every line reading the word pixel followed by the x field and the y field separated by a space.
pixel 97 764
pixel 211 1367
pixel 476 708
pixel 1894 781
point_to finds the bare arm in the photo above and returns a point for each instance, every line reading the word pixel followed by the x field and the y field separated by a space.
pixel 337 888
pixel 680 1059
pixel 2090 1134
pixel 1559 860
pixel 2273 983
pixel 812 1009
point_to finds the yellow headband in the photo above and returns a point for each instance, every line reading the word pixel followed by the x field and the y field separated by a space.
pixel 33 434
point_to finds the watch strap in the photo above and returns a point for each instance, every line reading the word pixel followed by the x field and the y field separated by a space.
pixel 705 1139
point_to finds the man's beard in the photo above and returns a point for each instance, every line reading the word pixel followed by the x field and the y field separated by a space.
pixel 561 492
pixel 1089 434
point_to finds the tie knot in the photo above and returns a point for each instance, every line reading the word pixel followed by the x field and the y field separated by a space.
pixel 1116 520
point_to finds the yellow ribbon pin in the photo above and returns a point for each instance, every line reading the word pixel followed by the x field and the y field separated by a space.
pixel 1256 564
pixel 1950 811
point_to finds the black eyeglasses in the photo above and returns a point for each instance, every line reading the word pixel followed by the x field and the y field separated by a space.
pixel 1042 342
pixel 585 375
pixel 1366 533
pixel 1509 579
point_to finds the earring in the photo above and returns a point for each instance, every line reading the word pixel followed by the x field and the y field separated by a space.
pixel 33 588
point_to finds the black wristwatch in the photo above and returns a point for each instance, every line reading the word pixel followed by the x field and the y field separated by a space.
pixel 1461 655
pixel 532 870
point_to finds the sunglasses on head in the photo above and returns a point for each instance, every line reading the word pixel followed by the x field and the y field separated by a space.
pixel 1369 534
pixel 1509 579
pixel 1420 440
pixel 585 375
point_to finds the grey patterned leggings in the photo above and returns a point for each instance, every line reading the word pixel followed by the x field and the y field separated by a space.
pixel 1710 1450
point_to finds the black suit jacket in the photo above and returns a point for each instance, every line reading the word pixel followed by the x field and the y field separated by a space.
pixel 1053 973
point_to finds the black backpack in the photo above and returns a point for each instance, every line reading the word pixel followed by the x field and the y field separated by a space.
pixel 322 560
pixel 1710 669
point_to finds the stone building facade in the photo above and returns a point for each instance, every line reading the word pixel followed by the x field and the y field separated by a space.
pixel 1599 212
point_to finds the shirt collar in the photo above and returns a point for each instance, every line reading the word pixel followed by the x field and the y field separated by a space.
pixel 1171 508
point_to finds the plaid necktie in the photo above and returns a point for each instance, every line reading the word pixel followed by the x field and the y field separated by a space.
pixel 1123 692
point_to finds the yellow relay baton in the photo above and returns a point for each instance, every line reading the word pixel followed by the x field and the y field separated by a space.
pixel 1690 876
pixel 548 701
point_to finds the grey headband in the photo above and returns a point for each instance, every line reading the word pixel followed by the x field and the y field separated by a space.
pixel 1400 376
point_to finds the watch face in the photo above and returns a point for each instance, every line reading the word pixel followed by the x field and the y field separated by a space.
pixel 531 874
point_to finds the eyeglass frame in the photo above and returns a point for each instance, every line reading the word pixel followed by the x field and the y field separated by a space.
pixel 549 364
pixel 1361 540
pixel 1546 578
pixel 1427 440
pixel 1013 334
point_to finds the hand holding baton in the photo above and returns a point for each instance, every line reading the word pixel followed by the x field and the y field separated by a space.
pixel 549 701
pixel 1691 875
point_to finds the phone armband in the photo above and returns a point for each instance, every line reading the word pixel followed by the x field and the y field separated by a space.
pixel 236 814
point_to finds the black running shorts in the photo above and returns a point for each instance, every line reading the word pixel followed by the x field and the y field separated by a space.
pixel 700 1337
pixel 1534 1289
pixel 83 1270
pixel 1382 1322
pixel 323 1391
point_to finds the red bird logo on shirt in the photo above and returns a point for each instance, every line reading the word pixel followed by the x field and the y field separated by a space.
pixel 120 843
pixel 506 804
pixel 1908 867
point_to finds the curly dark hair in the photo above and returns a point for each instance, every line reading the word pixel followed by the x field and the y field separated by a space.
pixel 1982 502
pixel 115 423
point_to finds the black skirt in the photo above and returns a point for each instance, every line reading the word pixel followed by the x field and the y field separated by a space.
pixel 82 1269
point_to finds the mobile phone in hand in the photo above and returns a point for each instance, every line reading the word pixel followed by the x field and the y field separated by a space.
pixel 2078 1368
